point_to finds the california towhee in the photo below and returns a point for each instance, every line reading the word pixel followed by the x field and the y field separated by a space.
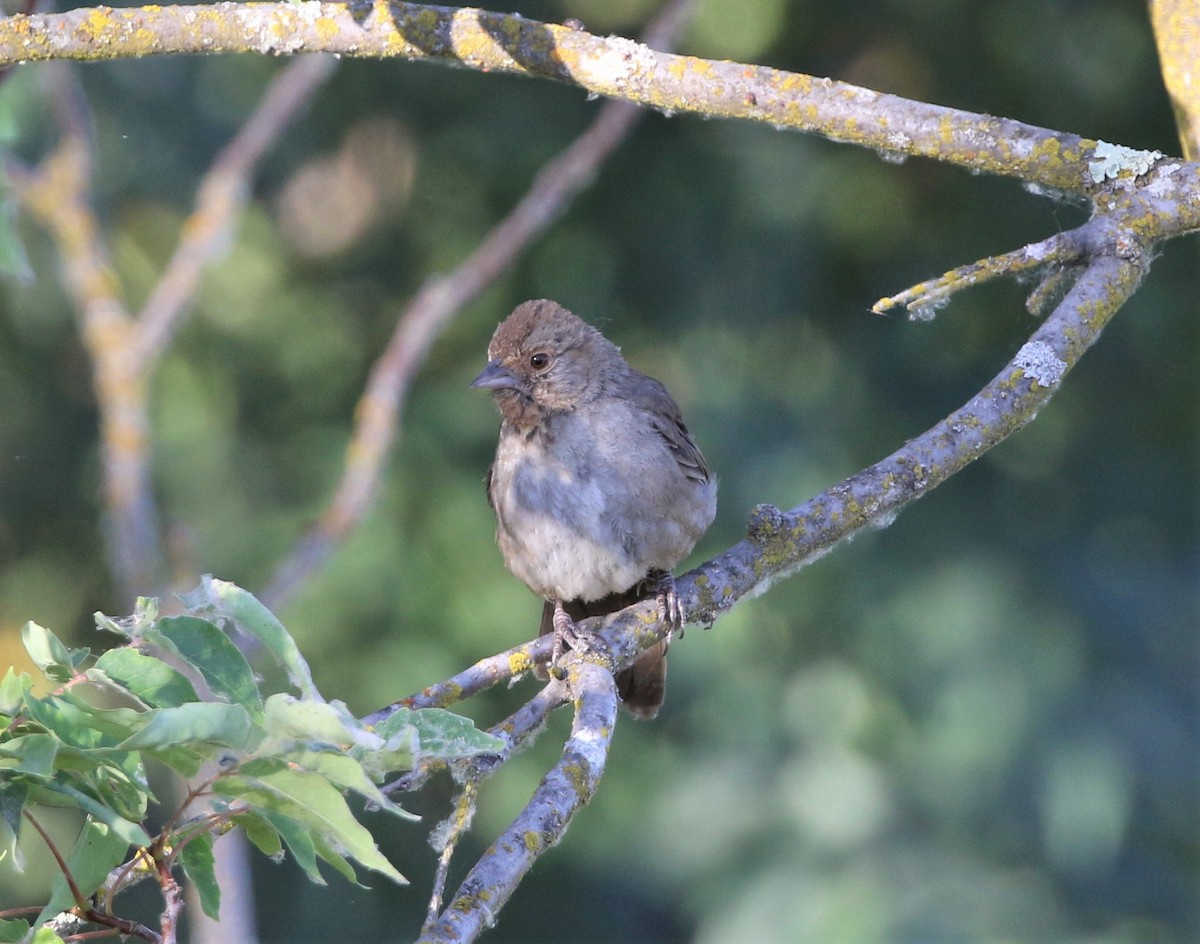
pixel 598 487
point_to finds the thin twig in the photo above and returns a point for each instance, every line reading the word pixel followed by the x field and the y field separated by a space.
pixel 924 298
pixel 81 901
pixel 474 679
pixel 456 827
pixel 220 198
pixel 83 906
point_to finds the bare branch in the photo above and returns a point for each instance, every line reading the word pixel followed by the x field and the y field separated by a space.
pixel 59 194
pixel 124 351
pixel 220 198
pixel 457 826
pixel 779 543
pixel 476 678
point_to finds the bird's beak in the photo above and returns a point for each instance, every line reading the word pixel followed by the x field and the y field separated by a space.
pixel 495 377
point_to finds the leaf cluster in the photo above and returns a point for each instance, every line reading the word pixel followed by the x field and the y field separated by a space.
pixel 178 691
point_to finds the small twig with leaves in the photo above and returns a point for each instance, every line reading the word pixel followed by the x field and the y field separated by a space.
pixel 278 765
pixel 84 909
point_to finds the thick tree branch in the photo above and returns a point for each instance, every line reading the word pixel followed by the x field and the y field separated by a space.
pixel 613 66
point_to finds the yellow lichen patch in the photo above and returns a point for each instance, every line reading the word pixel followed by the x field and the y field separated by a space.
pixel 327 28
pixel 146 40
pixel 683 67
pixel 792 83
pixel 533 842
pixel 578 775
pixel 519 662
pixel 99 19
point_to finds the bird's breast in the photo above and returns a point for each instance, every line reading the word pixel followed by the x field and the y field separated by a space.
pixel 585 509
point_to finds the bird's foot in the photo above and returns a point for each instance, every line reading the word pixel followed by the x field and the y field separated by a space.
pixel 670 610
pixel 568 635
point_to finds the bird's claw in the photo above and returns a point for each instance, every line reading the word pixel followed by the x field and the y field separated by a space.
pixel 670 608
pixel 568 635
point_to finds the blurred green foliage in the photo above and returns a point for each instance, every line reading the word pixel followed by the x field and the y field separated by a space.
pixel 978 724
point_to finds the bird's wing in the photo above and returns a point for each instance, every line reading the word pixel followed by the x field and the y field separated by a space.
pixel 664 413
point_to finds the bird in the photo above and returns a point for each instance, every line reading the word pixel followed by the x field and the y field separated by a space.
pixel 598 487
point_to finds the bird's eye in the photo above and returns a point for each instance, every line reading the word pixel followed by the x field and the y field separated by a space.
pixel 539 361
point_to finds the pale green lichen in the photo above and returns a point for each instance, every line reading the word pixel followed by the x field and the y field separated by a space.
pixel 1111 160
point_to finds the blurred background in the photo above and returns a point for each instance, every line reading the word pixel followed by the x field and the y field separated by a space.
pixel 980 724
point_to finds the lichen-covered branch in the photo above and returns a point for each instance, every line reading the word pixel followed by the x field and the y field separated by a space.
pixel 58 193
pixel 564 790
pixel 613 66
pixel 125 350
pixel 924 299
pixel 1111 266
pixel 778 543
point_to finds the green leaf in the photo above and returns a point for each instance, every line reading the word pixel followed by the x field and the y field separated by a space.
pixel 311 800
pixel 199 866
pixel 229 601
pixel 442 734
pixel 331 855
pixel 291 718
pixel 13 931
pixel 185 761
pixel 344 772
pixel 45 936
pixel 121 785
pixel 65 720
pixel 263 835
pixel 145 615
pixel 208 721
pixel 13 689
pixel 214 656
pixel 80 724
pixel 299 841
pixel 150 679
pixel 13 794
pixel 97 851
pixel 128 832
pixel 34 755
pixel 47 652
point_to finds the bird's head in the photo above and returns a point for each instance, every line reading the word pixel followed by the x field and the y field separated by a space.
pixel 543 359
